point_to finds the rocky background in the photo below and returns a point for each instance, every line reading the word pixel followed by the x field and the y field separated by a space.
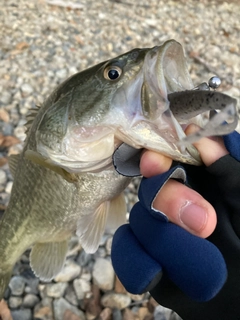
pixel 42 42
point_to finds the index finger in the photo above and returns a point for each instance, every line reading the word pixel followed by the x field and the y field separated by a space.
pixel 153 163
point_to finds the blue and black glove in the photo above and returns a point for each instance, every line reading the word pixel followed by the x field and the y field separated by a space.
pixel 198 278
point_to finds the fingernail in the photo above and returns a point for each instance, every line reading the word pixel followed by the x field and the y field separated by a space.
pixel 193 216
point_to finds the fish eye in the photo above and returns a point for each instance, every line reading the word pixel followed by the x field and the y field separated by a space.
pixel 112 73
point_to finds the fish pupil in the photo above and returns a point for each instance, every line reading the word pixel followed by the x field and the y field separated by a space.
pixel 113 74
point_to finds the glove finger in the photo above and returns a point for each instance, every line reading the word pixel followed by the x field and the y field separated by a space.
pixel 150 187
pixel 137 271
pixel 194 264
pixel 232 143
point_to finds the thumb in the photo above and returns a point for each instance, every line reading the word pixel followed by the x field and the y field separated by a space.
pixel 210 149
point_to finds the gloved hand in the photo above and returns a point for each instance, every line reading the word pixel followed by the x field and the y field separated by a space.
pixel 182 270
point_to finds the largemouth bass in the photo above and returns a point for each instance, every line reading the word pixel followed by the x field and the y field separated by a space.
pixel 64 179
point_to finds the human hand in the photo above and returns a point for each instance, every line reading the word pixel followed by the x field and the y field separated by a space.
pixel 155 248
pixel 189 209
pixel 220 185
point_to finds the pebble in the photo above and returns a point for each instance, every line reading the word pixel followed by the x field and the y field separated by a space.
pixel 143 313
pixel 3 177
pixel 60 306
pixel 100 253
pixel 44 313
pixel 115 300
pixel 137 297
pixel 27 89
pixel 19 132
pixel 128 315
pixel 43 310
pixel 7 129
pixel 106 314
pixel 71 296
pixel 62 74
pixel 22 314
pixel 32 285
pixel 81 287
pixel 116 314
pixel 70 271
pixel 30 300
pixel 15 302
pixel 8 188
pixel 161 313
pixel 56 290
pixel 6 97
pixel 109 245
pixel 92 304
pixel 17 285
pixel 86 274
pixel 83 258
pixel 4 115
pixel 103 274
pixel 69 315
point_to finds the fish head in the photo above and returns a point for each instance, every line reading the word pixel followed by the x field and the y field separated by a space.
pixel 124 99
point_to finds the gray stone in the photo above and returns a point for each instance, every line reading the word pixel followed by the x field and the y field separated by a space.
pixel 116 314
pixel 109 245
pixel 8 188
pixel 15 302
pixel 4 198
pixel 30 300
pixel 32 285
pixel 42 290
pixel 162 313
pixel 70 271
pixel 83 258
pixel 60 306
pixel 43 310
pixel 78 289
pixel 19 132
pixel 23 314
pixel 115 300
pixel 86 275
pixel 61 74
pixel 100 253
pixel 103 274
pixel 6 97
pixel 104 240
pixel 7 129
pixel 27 89
pixel 7 294
pixel 137 297
pixel 81 287
pixel 71 296
pixel 17 285
pixel 56 290
pixel 3 177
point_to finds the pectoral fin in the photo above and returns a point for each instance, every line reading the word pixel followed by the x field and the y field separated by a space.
pixel 92 226
pixel 117 213
pixel 47 259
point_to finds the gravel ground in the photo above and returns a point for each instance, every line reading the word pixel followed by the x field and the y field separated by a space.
pixel 45 41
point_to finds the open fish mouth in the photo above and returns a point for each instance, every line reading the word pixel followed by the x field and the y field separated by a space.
pixel 170 103
pixel 149 107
